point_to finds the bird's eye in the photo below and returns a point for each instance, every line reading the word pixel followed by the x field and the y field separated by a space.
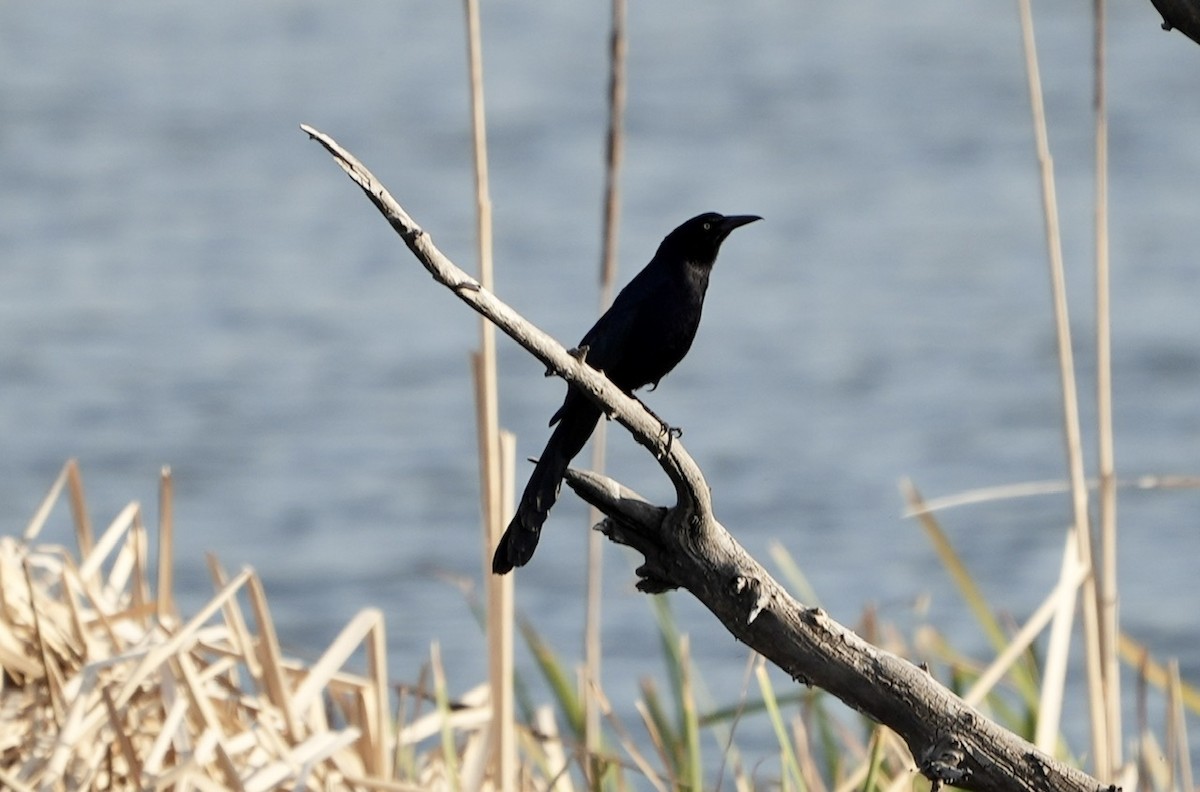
pixel 708 226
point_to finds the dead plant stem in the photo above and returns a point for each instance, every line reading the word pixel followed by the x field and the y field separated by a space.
pixel 499 588
pixel 1107 579
pixel 608 270
pixel 1070 398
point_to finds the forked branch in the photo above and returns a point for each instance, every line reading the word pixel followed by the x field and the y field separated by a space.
pixel 684 473
pixel 685 547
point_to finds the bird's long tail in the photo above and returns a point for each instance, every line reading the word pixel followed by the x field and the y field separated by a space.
pixel 578 420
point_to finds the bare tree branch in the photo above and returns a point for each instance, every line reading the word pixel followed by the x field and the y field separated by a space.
pixel 685 547
pixel 679 466
pixel 952 743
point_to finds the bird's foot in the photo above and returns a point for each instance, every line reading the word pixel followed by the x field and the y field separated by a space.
pixel 664 429
pixel 671 432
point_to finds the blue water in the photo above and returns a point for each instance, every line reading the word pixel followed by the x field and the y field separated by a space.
pixel 187 280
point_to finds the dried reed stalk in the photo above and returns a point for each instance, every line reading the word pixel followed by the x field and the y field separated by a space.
pixel 610 233
pixel 1070 402
pixel 1106 464
pixel 491 466
pixel 98 693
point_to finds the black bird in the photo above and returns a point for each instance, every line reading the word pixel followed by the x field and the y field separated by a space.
pixel 642 336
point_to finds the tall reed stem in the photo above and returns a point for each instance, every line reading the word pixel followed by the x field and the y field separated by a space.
pixel 499 587
pixel 614 150
pixel 1070 400
pixel 1109 617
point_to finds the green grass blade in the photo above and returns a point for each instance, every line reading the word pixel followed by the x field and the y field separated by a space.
pixel 690 720
pixel 666 732
pixel 1022 674
pixel 449 752
pixel 876 757
pixel 832 749
pixel 561 682
pixel 790 770
pixel 668 634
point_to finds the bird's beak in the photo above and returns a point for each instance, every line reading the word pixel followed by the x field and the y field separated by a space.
pixel 736 221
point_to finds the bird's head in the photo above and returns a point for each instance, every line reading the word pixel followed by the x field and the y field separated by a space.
pixel 700 238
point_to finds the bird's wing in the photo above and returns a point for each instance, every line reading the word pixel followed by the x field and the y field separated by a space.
pixel 609 339
pixel 602 345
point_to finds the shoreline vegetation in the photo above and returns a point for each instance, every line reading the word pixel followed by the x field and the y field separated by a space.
pixel 106 685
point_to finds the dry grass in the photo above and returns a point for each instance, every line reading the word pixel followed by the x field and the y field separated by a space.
pixel 107 687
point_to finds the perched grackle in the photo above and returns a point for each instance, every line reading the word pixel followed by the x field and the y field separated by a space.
pixel 642 336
